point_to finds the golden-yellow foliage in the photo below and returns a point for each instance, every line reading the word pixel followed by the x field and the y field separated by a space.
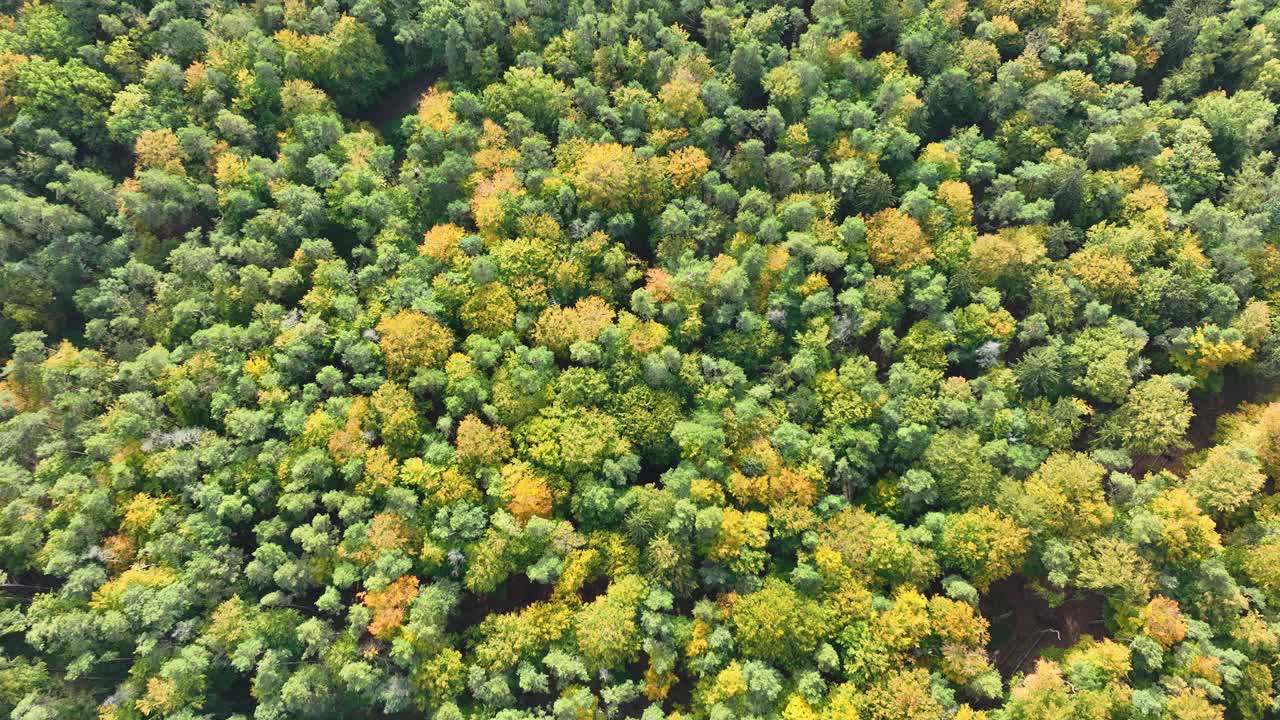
pixel 1209 350
pixel 441 242
pixel 610 177
pixel 559 327
pixel 529 492
pixel 481 444
pixel 1187 534
pixel 1163 621
pixel 10 63
pixel 434 111
pixel 957 197
pixel 1105 272
pixel 161 697
pixel 681 97
pixel 490 310
pixel 510 637
pixel 896 241
pixel 380 470
pixel 411 340
pixel 159 149
pixel 686 166
pixel 110 593
pixel 1013 252
pixel 441 485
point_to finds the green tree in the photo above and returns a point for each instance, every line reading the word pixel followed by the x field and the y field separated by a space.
pixel 1153 418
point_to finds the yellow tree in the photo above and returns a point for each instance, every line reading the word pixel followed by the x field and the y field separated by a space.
pixel 441 242
pixel 957 197
pixel 480 444
pixel 983 544
pixel 411 340
pixel 434 111
pixel 1266 439
pixel 686 166
pixel 895 240
pixel 158 149
pixel 529 492
pixel 776 624
pixel 606 627
pixel 490 310
pixel 1228 479
pixel 902 695
pixel 1163 621
pixel 681 98
pixel 1209 349
pixel 1105 272
pixel 1192 704
pixel 559 327
pixel 1065 497
pixel 1186 534
pixel 397 414
pixel 610 177
pixel 1011 253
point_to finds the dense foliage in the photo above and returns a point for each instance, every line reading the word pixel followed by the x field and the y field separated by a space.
pixel 461 359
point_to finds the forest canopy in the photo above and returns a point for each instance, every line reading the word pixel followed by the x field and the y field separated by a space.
pixel 664 360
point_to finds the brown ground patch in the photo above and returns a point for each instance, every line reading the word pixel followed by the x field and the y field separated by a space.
pixel 1023 624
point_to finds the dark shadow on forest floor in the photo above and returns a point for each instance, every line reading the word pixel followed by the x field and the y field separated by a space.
pixel 1023 623
pixel 399 101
